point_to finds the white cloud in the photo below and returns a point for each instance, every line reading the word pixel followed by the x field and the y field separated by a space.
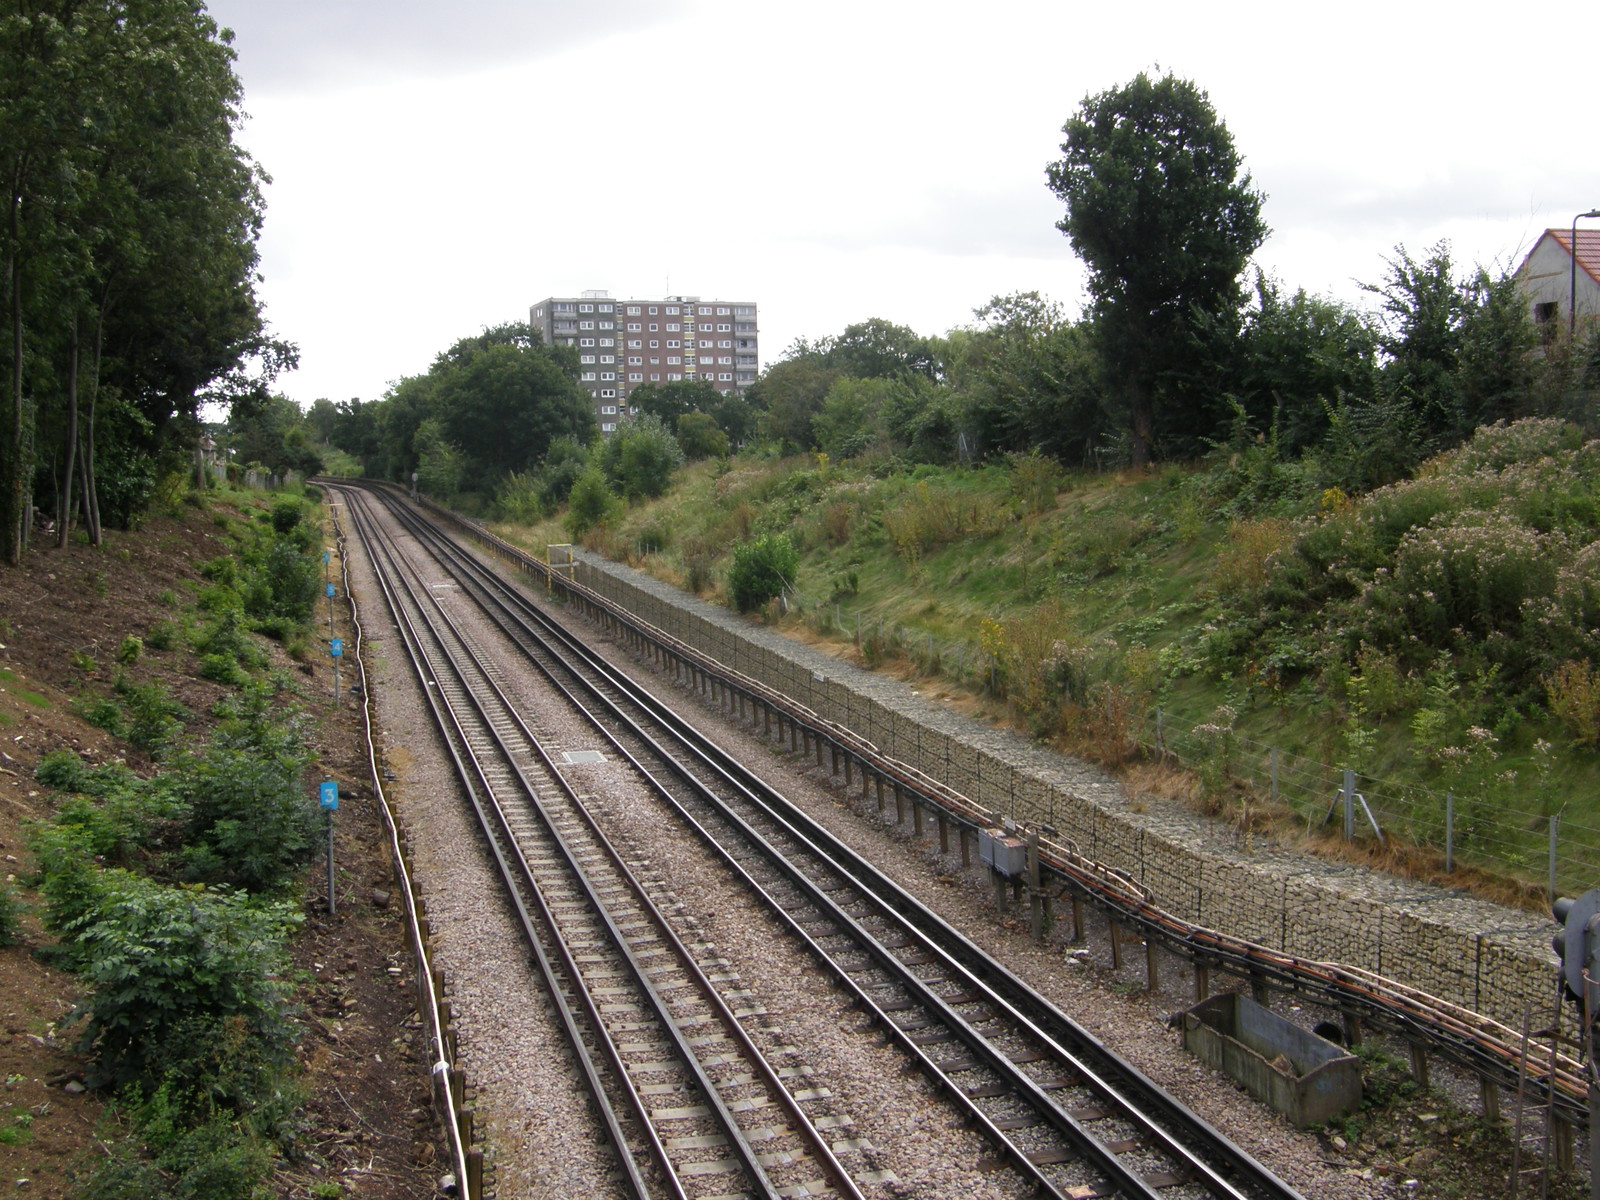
pixel 438 170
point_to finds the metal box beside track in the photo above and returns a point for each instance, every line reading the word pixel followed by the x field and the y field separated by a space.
pixel 1306 1078
pixel 1008 855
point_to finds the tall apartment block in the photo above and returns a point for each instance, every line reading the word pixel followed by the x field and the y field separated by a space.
pixel 622 344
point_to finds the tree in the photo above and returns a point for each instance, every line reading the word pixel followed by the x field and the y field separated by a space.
pixel 503 397
pixel 669 401
pixel 1029 379
pixel 639 457
pixel 699 437
pixel 1158 210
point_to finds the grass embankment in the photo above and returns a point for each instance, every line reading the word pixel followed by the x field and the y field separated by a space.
pixel 1435 636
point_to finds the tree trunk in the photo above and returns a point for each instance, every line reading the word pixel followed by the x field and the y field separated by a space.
pixel 64 506
pixel 11 489
pixel 91 493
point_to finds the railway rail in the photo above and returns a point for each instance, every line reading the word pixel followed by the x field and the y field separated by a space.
pixel 1456 1034
pixel 691 1102
pixel 1065 1113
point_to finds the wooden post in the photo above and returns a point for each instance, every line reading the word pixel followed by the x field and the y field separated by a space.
pixel 1077 917
pixel 1419 1065
pixel 1035 893
pixel 966 848
pixel 944 833
pixel 1152 975
pixel 880 793
pixel 1352 1031
pixel 849 779
pixel 999 890
pixel 1202 982
pixel 1116 946
pixel 916 820
pixel 1489 1096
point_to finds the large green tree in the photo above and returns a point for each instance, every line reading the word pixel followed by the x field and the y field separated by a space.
pixel 1164 217
pixel 129 246
pixel 503 397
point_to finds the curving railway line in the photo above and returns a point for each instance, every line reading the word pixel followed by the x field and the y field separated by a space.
pixel 697 1096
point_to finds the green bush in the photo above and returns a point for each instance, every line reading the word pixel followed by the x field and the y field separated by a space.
pixel 761 570
pixel 591 503
pixel 11 909
pixel 154 718
pixel 163 635
pixel 161 959
pixel 251 824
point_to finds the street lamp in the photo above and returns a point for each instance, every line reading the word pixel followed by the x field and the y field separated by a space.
pixel 1572 298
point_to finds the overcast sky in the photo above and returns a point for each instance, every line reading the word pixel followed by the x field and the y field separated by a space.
pixel 436 170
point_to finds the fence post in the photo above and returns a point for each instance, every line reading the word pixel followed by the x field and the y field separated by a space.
pixel 1160 746
pixel 1449 833
pixel 1274 774
pixel 1555 833
pixel 1349 805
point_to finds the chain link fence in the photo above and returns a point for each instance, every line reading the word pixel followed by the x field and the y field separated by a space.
pixel 1556 851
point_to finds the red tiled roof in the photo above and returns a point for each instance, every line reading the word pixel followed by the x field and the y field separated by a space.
pixel 1588 248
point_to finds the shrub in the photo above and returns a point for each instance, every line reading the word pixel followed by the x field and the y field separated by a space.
pixel 160 959
pixel 154 718
pixel 11 910
pixel 591 503
pixel 251 825
pixel 761 570
pixel 130 650
pixel 1573 691
pixel 163 635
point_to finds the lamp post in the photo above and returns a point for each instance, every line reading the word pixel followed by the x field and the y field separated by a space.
pixel 1572 297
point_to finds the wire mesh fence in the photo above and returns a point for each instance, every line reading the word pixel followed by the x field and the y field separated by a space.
pixel 1530 842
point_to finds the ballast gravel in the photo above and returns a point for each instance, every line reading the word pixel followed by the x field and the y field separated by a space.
pixel 532 1115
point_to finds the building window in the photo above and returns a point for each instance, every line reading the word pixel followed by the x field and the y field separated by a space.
pixel 636 378
pixel 605 308
pixel 705 310
pixel 608 341
pixel 672 310
pixel 724 328
pixel 722 312
pixel 562 307
pixel 725 344
pixel 673 377
pixel 633 310
pixel 726 377
pixel 585 308
pixel 655 328
pixel 608 409
pixel 585 341
pixel 672 327
pixel 743 310
pixel 1545 319
pixel 588 358
pixel 654 310
pixel 655 362
pixel 588 376
pixel 633 327
pixel 655 379
pixel 585 324
pixel 608 393
pixel 607 376
pixel 672 343
pixel 635 361
pixel 609 427
pixel 607 325
pixel 636 344
pixel 673 360
pixel 608 358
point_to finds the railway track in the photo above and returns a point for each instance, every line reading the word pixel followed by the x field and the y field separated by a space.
pixel 693 1104
pixel 1066 1114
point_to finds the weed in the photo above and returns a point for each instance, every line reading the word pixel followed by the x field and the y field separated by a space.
pixel 130 649
pixel 84 662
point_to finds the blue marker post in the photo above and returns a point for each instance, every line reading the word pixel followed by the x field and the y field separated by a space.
pixel 336 648
pixel 327 557
pixel 330 805
pixel 332 591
